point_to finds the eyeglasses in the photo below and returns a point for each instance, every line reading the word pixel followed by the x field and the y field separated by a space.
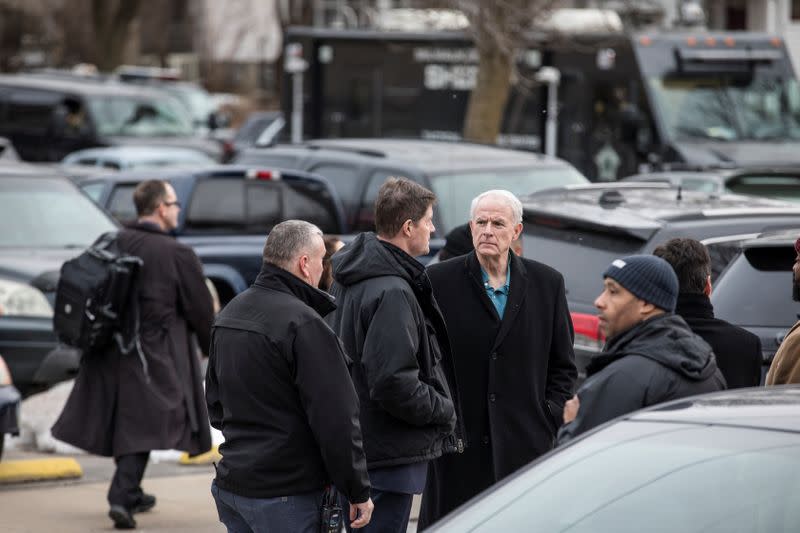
pixel 170 204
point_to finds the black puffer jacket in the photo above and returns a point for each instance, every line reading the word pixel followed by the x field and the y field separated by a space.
pixel 277 387
pixel 393 330
pixel 657 360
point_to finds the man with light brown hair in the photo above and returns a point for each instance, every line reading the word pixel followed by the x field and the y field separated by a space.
pixel 391 326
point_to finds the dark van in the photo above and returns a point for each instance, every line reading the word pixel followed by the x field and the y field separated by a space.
pixel 46 118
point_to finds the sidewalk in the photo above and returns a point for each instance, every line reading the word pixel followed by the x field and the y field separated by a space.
pixel 184 505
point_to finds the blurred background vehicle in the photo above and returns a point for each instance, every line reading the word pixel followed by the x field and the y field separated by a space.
pixel 47 118
pixel 134 157
pixel 718 463
pixel 455 172
pixel 580 230
pixel 7 152
pixel 261 128
pixel 46 220
pixel 755 291
pixel 782 183
pixel 9 405
pixel 227 212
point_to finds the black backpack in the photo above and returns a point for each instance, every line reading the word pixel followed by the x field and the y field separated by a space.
pixel 96 299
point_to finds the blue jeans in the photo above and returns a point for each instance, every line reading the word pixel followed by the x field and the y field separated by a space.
pixel 297 512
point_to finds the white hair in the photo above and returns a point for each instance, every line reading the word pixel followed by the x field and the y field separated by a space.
pixel 506 196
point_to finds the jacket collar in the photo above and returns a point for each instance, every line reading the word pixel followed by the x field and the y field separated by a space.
pixel 694 306
pixel 149 227
pixel 276 278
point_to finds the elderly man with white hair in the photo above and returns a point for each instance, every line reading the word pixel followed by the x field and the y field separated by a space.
pixel 511 340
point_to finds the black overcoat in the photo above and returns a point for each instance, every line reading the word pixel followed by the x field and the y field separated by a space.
pixel 117 408
pixel 738 351
pixel 513 375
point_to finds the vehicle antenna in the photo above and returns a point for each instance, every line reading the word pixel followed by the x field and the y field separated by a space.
pixel 680 195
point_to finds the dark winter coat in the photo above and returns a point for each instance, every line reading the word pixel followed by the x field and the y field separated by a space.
pixel 657 360
pixel 278 388
pixel 738 352
pixel 115 407
pixel 392 328
pixel 514 375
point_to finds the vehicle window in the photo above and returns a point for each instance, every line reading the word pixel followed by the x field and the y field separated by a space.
pixel 688 478
pixel 125 116
pixel 111 164
pixel 86 161
pixel 48 213
pixel 345 180
pixel 223 205
pixel 218 202
pixel 93 190
pixel 456 191
pixel 783 187
pixel 756 290
pixel 120 204
pixel 312 203
pixel 580 255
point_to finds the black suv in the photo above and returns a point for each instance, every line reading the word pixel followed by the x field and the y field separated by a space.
pixel 48 117
pixel 579 230
pixel 755 292
pixel 456 172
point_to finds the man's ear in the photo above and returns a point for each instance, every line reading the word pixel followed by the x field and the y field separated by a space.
pixel 645 308
pixel 407 227
pixel 707 289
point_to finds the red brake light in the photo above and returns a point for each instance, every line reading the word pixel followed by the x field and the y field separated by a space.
pixel 265 175
pixel 588 335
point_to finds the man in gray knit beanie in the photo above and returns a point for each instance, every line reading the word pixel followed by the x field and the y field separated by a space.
pixel 651 355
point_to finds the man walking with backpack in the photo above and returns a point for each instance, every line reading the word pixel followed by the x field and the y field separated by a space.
pixel 126 404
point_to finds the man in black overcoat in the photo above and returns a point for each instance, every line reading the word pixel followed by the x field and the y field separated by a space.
pixel 738 351
pixel 511 337
pixel 125 405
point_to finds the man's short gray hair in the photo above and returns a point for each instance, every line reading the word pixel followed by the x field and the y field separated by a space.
pixel 506 196
pixel 288 240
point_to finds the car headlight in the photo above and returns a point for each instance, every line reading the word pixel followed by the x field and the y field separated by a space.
pixel 18 299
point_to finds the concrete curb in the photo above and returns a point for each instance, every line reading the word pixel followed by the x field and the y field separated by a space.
pixel 39 469
pixel 207 458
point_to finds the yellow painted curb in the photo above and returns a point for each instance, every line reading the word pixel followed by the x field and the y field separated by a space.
pixel 39 469
pixel 207 458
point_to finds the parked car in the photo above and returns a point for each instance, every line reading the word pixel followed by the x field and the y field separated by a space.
pixel 47 220
pixel 456 172
pixel 133 157
pixel 719 463
pixel 261 128
pixel 7 152
pixel 755 293
pixel 48 117
pixel 227 212
pixel 9 405
pixel 579 230
pixel 782 182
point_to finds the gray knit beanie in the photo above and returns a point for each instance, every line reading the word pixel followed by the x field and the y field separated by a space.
pixel 648 277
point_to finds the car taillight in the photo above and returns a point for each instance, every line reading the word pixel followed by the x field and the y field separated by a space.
pixel 588 335
pixel 265 175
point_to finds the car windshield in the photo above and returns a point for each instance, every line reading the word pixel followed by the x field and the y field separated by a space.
pixel 456 191
pixel 131 117
pixel 656 477
pixel 725 108
pixel 48 213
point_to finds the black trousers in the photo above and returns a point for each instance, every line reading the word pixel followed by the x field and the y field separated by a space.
pixel 125 489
